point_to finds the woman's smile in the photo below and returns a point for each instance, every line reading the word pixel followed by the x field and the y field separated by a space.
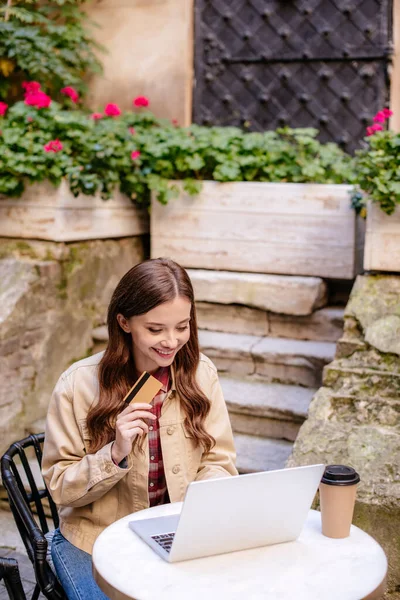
pixel 167 354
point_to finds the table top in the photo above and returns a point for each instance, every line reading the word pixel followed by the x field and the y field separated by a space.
pixel 313 567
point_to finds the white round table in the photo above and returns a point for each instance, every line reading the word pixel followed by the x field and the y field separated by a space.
pixel 313 567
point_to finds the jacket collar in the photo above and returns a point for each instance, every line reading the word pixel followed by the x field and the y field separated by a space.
pixel 164 374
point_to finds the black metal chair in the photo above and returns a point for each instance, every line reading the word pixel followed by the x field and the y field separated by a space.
pixel 10 573
pixel 26 503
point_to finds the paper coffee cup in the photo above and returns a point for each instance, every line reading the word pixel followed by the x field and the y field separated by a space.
pixel 337 492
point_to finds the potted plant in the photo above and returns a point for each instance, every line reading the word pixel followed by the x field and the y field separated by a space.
pixel 273 202
pixel 378 176
pixel 58 166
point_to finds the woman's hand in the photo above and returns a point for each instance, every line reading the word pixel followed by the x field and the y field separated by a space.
pixel 129 424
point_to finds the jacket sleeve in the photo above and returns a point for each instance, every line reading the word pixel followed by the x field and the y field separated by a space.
pixel 220 461
pixel 73 477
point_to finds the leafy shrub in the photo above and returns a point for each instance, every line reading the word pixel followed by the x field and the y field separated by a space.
pixel 140 153
pixel 378 167
pixel 48 41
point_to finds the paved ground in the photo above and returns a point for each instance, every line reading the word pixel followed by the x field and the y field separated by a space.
pixel 11 546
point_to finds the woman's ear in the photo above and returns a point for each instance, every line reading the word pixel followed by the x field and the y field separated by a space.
pixel 123 323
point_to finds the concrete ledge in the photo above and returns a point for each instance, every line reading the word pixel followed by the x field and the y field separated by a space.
pixel 266 409
pixel 259 454
pixel 323 325
pixel 271 359
pixel 275 293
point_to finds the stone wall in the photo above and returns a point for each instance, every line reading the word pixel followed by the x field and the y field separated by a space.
pixel 355 417
pixel 149 52
pixel 51 296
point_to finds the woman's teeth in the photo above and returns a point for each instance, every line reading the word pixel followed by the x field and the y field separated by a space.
pixel 163 353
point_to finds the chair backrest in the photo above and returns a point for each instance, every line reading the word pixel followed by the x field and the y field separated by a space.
pixel 10 573
pixel 27 493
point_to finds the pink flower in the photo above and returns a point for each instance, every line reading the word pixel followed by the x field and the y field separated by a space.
pixel 3 108
pixel 387 112
pixel 373 129
pixel 31 87
pixel 379 117
pixel 96 116
pixel 29 119
pixel 53 146
pixel 135 154
pixel 38 99
pixel 71 93
pixel 112 110
pixel 175 122
pixel 132 130
pixel 141 101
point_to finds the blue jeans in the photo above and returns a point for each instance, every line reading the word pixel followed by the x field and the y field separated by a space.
pixel 74 570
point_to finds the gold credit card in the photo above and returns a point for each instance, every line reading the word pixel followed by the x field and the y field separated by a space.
pixel 144 390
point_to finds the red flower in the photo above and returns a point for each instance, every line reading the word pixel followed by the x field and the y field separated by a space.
pixel 96 116
pixel 38 99
pixel 112 110
pixel 373 129
pixel 29 119
pixel 132 130
pixel 31 87
pixel 53 146
pixel 387 112
pixel 141 101
pixel 379 117
pixel 3 108
pixel 135 154
pixel 71 93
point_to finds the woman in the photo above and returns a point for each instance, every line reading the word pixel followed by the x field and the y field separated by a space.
pixel 103 460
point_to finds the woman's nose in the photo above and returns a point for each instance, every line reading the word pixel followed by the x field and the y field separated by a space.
pixel 170 341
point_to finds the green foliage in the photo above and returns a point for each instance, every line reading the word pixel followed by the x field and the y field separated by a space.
pixel 44 41
pixel 378 170
pixel 96 154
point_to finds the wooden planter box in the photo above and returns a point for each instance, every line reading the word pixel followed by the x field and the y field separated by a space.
pixel 382 240
pixel 47 213
pixel 285 228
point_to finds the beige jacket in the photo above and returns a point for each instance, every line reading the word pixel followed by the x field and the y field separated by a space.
pixel 91 492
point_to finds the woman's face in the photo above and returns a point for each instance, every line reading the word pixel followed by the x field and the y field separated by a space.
pixel 159 334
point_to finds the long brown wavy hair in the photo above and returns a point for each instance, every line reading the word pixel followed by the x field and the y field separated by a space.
pixel 141 289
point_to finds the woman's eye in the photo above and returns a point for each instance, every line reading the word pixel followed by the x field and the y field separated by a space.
pixel 155 330
pixel 182 328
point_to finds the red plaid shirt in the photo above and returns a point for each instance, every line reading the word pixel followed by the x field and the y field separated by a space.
pixel 158 493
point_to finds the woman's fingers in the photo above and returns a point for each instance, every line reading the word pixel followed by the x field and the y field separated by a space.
pixel 137 414
pixel 135 406
pixel 134 427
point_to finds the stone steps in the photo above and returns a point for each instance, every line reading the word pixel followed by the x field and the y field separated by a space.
pixel 256 453
pixel 279 360
pixel 268 410
pixel 290 295
pixel 323 325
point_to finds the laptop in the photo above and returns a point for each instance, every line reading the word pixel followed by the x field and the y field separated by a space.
pixel 234 513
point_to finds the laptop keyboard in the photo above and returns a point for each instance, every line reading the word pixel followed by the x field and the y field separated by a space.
pixel 164 540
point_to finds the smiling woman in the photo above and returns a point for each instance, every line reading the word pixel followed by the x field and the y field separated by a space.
pixel 158 334
pixel 102 459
